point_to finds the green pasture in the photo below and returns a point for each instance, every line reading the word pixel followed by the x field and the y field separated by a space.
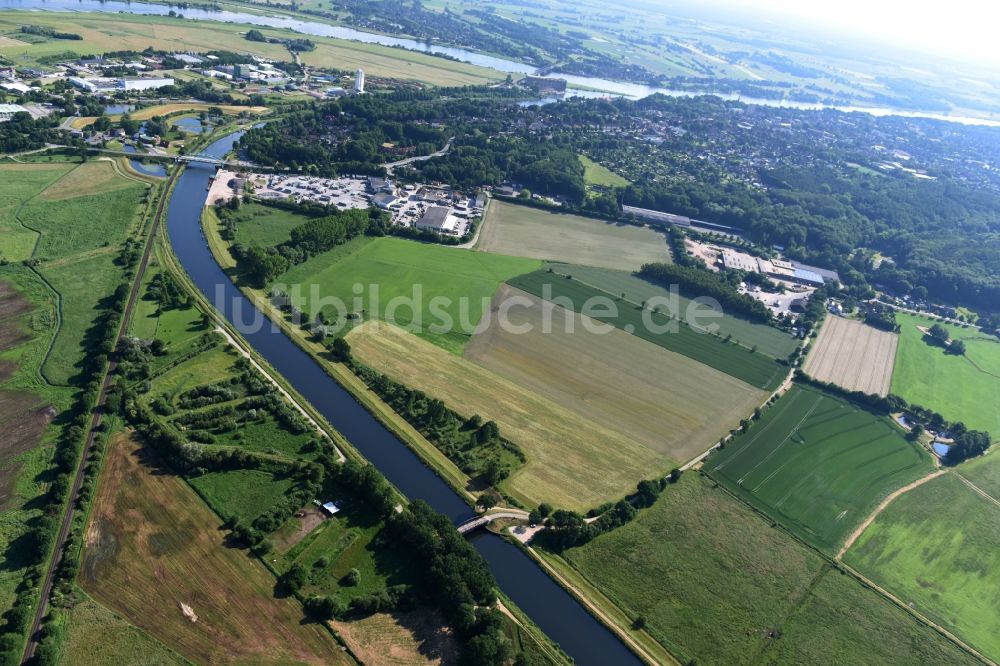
pixel 961 388
pixel 243 494
pixel 769 340
pixel 752 367
pixel 445 283
pixel 713 580
pixel 818 464
pixel 937 548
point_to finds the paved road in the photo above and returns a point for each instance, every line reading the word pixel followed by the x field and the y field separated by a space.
pixel 95 422
pixel 389 166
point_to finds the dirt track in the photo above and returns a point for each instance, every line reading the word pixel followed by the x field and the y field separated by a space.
pixel 854 356
pixel 886 502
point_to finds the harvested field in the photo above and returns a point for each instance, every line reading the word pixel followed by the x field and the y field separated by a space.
pixel 818 464
pixel 853 355
pixel 665 401
pixel 572 462
pixel 155 554
pixel 521 231
pixel 416 638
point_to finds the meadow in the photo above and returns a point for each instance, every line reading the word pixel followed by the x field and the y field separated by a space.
pixel 241 494
pixel 95 635
pixel 80 230
pixel 768 340
pixel 853 355
pixel 937 548
pixel 264 225
pixel 462 281
pixel 662 400
pixel 961 388
pixel 27 325
pixel 167 570
pixel 572 462
pixel 539 234
pixel 730 589
pixel 818 464
pixel 21 183
pixel 713 351
pixel 599 175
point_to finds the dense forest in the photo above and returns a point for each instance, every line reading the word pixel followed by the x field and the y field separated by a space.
pixel 907 205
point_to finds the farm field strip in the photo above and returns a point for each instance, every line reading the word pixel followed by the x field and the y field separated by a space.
pixel 961 388
pixel 854 356
pixel 572 461
pixel 769 340
pixel 753 368
pixel 523 231
pixel 663 400
pixel 818 464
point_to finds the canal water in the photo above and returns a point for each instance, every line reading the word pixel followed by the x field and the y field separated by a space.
pixel 554 610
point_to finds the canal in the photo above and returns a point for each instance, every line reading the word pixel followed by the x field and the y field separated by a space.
pixel 551 607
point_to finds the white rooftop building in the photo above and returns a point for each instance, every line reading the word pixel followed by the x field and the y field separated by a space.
pixel 7 111
pixel 359 81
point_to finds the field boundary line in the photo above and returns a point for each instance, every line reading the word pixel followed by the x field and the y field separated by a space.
pixel 978 490
pixel 864 580
pixel 882 505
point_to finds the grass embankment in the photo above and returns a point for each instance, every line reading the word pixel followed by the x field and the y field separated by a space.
pixel 523 231
pixel 749 366
pixel 818 464
pixel 937 548
pixel 731 589
pixel 961 388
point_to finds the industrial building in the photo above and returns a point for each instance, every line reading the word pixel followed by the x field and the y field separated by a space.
pixel 103 84
pixel 7 111
pixel 439 219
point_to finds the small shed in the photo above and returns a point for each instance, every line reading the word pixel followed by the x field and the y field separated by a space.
pixel 330 508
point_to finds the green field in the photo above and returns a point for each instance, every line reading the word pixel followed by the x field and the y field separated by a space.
pixel 21 183
pixel 961 388
pixel 243 494
pixel 95 635
pixel 818 464
pixel 937 548
pixel 769 340
pixel 711 579
pixel 264 225
pixel 79 236
pixel 524 231
pixel 463 282
pixel 596 174
pixel 754 368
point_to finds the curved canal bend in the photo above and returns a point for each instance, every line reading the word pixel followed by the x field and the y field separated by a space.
pixel 554 610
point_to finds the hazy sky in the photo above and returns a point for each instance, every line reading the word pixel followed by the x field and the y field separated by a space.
pixel 965 29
